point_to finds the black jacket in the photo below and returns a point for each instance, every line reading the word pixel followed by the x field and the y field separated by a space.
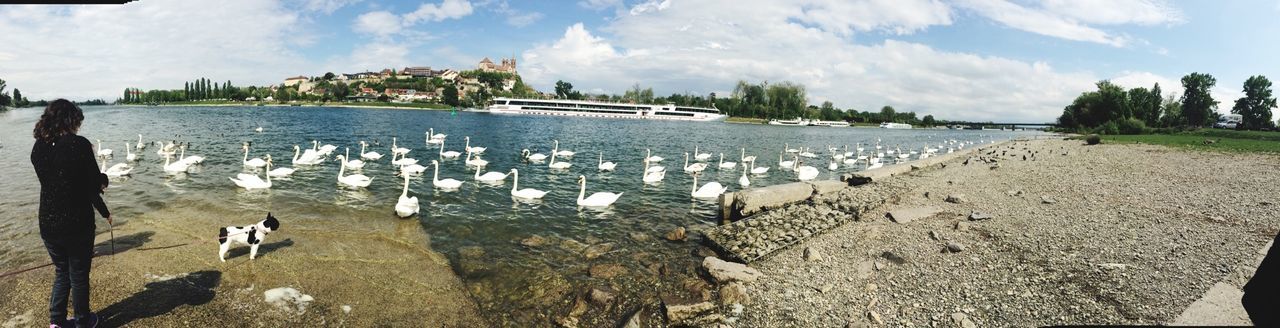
pixel 70 183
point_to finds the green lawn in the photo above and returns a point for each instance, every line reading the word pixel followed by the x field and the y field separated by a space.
pixel 1224 140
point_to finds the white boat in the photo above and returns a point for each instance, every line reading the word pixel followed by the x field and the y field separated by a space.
pixel 841 124
pixel 888 125
pixel 796 122
pixel 589 108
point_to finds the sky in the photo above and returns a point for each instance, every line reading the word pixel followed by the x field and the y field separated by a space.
pixel 997 60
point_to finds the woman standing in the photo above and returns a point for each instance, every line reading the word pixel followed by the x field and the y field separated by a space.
pixel 70 184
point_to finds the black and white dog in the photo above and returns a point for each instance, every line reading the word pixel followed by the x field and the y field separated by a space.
pixel 250 235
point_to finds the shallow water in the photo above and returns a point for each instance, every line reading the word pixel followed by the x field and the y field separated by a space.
pixel 512 283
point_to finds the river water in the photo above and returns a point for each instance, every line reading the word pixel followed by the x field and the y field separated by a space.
pixel 479 227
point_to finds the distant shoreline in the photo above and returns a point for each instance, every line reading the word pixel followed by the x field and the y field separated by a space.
pixel 292 105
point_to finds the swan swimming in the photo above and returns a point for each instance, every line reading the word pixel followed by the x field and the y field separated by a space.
pixel 175 167
pixel 476 149
pixel 117 170
pixel 255 162
pixel 252 181
pixel 308 158
pixel 448 154
pixel 695 168
pixel 396 150
pixel 533 157
pixel 651 159
pixel 605 166
pixel 743 180
pixel 193 159
pixel 652 176
pixel 526 193
pixel 128 154
pixel 726 165
pixel 758 170
pixel 355 164
pixel 562 153
pixel 710 190
pixel 447 184
pixel 700 156
pixel 490 176
pixel 354 180
pixel 598 199
pixel 406 206
pixel 558 165
pixel 477 162
pixel 278 172
pixel 102 152
pixel 370 156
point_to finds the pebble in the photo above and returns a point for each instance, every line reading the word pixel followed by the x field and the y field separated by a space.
pixel 811 254
pixel 979 216
pixel 1047 200
pixel 956 199
pixel 955 247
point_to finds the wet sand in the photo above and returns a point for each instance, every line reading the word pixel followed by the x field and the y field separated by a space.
pixel 366 273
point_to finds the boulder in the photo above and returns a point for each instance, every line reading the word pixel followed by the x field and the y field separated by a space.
pixel 906 215
pixel 734 292
pixel 597 250
pixel 533 241
pixel 725 272
pixel 749 202
pixel 683 314
pixel 956 199
pixel 572 245
pixel 676 234
pixel 607 271
pixel 601 297
pixel 811 254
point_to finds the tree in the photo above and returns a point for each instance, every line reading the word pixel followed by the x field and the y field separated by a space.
pixel 4 98
pixel 1197 103
pixel 1254 108
pixel 887 113
pixel 563 89
pixel 451 95
pixel 1172 112
pixel 928 121
pixel 18 101
pixel 329 76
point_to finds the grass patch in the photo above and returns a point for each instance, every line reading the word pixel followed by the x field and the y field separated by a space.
pixel 1223 140
pixel 748 120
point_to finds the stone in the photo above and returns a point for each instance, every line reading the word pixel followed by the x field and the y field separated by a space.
pixel 906 215
pixel 634 321
pixel 1014 193
pixel 979 216
pixel 1048 200
pixel 471 252
pixel 934 235
pixel 640 236
pixel 751 201
pixel 962 226
pixel 697 288
pixel 725 272
pixel 601 297
pixel 607 271
pixel 734 293
pixel 824 187
pixel 683 314
pixel 676 234
pixel 959 319
pixel 812 255
pixel 879 265
pixel 956 199
pixel 955 247
pixel 573 245
pixel 597 250
pixel 875 317
pixel 534 241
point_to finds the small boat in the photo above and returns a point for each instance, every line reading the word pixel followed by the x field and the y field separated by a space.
pixel 796 122
pixel 889 125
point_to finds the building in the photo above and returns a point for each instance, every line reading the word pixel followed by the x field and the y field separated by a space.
pixel 507 65
pixel 288 82
pixel 420 71
pixel 387 73
pixel 449 75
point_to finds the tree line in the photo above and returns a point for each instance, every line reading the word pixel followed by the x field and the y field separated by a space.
pixel 1113 110
pixel 14 100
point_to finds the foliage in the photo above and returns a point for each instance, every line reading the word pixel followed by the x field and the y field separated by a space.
pixel 1254 108
pixel 928 121
pixel 451 96
pixel 4 98
pixel 1197 104
pixel 1146 104
pixel 1110 128
pixel 564 90
pixel 1132 125
pixel 1093 139
pixel 1172 115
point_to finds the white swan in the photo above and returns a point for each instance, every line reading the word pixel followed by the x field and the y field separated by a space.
pixel 140 145
pixel 258 129
pixel 726 165
pixel 252 181
pixel 477 162
pixel 406 206
pixel 562 153
pixel 710 190
pixel 370 156
pixel 743 180
pixel 652 176
pixel 193 159
pixel 651 159
pixel 785 164
pixel 403 160
pixel 443 184
pixel 396 150
pixel 833 166
pixel 255 162
pixel 326 149
pixel 128 154
pixel 477 149
pixel 526 193
pixel 355 164
pixel 308 158
pixel 489 176
pixel 605 166
pixel 558 165
pixel 744 158
pixel 433 138
pixel 448 154
pixel 787 148
pixel 758 170
pixel 175 167
pixel 166 149
pixel 700 156
pixel 103 152
pixel 354 180
pixel 412 169
pixel 695 168
pixel 599 199
pixel 117 170
pixel 533 157
pixel 278 172
pixel 805 172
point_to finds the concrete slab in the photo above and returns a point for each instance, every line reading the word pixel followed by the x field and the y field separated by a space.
pixel 1220 306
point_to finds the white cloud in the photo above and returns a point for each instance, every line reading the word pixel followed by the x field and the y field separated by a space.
pixel 600 4
pixel 327 6
pixel 515 17
pixel 449 9
pixel 650 6
pixel 707 46
pixel 901 17
pixel 96 51
pixel 380 23
pixel 1070 19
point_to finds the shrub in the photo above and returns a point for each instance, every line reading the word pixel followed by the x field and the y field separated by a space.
pixel 1093 139
pixel 1109 128
pixel 1132 126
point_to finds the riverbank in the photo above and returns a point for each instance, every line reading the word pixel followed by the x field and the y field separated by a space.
pixel 418 106
pixel 368 273
pixel 1209 139
pixel 1073 234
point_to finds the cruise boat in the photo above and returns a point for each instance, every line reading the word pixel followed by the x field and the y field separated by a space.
pixel 888 125
pixel 589 108
pixel 796 122
pixel 841 124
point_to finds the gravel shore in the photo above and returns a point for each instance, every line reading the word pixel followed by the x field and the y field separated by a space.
pixel 1108 234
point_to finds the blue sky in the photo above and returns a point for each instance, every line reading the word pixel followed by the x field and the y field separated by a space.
pixel 1004 60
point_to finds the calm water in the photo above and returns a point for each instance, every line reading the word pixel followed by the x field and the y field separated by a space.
pixel 477 214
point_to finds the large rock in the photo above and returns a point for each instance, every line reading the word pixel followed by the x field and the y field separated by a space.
pixel 534 241
pixel 682 314
pixel 601 297
pixel 725 272
pixel 906 215
pixel 597 250
pixel 607 271
pixel 824 187
pixel 734 292
pixel 677 234
pixel 749 202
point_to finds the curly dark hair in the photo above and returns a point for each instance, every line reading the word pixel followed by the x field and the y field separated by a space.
pixel 61 118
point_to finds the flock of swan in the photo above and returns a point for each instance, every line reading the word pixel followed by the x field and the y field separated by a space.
pixel 791 159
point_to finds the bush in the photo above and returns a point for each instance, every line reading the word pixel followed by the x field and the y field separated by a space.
pixel 1132 126
pixel 1093 139
pixel 1109 128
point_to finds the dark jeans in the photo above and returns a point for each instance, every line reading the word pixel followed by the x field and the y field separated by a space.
pixel 72 258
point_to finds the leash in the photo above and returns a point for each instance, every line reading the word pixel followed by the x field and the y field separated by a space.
pixel 111 229
pixel 113 252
